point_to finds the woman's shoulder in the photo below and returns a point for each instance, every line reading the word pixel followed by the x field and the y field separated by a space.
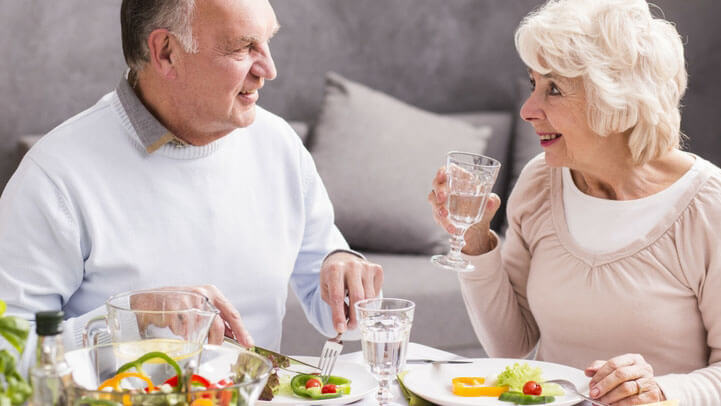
pixel 532 191
pixel 709 190
pixel 534 177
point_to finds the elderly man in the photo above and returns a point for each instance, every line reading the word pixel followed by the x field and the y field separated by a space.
pixel 177 178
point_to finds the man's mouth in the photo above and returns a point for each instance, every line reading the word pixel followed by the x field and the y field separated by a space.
pixel 248 97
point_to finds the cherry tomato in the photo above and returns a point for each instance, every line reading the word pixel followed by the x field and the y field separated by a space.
pixel 312 383
pixel 532 388
pixel 328 388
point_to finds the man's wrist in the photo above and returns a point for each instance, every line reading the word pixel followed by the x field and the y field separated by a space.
pixel 343 250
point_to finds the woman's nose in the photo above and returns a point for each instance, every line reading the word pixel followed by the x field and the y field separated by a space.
pixel 531 109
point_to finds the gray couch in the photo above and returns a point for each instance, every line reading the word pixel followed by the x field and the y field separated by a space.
pixel 445 57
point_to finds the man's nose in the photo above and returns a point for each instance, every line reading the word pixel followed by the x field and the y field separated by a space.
pixel 264 67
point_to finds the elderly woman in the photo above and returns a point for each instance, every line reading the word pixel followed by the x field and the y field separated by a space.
pixel 612 258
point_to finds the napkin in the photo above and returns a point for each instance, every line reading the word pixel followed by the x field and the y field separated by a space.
pixel 412 398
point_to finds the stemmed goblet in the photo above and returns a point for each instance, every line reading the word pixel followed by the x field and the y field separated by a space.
pixel 470 180
pixel 385 325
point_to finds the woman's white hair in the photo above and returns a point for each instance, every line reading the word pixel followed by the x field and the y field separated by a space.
pixel 631 63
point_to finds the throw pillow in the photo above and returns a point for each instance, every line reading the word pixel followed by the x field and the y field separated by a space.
pixel 377 157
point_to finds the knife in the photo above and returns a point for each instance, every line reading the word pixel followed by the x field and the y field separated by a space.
pixel 432 361
pixel 279 360
pixel 282 361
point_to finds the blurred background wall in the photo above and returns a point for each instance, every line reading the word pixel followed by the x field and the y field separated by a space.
pixel 59 57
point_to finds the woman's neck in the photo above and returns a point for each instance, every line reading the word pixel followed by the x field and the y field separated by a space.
pixel 622 180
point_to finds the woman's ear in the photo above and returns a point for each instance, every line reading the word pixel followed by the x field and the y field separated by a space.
pixel 162 49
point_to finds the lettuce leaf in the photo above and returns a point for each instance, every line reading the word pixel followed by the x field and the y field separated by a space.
pixel 516 375
pixel 14 390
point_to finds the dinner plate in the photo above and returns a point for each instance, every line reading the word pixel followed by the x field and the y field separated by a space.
pixel 362 385
pixel 433 382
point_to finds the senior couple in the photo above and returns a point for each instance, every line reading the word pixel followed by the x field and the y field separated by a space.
pixel 610 262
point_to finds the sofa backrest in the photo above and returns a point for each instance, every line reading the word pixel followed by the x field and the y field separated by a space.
pixel 442 56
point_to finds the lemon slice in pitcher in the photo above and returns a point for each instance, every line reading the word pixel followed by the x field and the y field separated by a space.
pixel 176 349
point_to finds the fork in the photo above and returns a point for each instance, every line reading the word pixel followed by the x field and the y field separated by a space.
pixel 329 355
pixel 569 386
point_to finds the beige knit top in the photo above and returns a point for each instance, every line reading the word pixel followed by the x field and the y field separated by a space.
pixel 660 296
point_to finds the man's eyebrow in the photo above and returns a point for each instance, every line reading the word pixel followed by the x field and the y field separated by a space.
pixel 232 43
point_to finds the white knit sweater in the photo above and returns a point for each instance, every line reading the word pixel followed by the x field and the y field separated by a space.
pixel 89 213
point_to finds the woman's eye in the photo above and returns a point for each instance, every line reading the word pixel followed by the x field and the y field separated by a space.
pixel 553 90
pixel 533 84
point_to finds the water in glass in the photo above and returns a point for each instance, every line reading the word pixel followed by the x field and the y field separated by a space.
pixel 470 180
pixel 384 342
pixel 385 326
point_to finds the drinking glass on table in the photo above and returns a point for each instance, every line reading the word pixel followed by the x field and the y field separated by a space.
pixel 385 325
pixel 470 180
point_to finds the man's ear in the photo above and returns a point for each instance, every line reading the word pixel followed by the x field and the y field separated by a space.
pixel 162 52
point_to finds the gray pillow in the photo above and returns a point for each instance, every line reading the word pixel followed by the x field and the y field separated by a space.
pixel 300 128
pixel 377 157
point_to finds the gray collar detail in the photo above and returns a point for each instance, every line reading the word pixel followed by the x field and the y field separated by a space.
pixel 151 132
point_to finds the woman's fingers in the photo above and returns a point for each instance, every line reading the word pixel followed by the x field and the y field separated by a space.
pixel 591 370
pixel 623 380
pixel 438 197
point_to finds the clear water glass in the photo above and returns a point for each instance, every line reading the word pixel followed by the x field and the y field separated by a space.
pixel 470 180
pixel 385 326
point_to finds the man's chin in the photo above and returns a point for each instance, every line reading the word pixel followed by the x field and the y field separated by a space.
pixel 245 118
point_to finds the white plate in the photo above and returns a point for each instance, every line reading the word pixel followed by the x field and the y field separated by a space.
pixel 362 385
pixel 433 382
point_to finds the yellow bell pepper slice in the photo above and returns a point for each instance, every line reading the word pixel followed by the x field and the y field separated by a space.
pixel 473 387
pixel 114 382
pixel 202 402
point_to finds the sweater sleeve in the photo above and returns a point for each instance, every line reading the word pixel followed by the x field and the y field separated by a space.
pixel 698 239
pixel 320 237
pixel 495 293
pixel 41 256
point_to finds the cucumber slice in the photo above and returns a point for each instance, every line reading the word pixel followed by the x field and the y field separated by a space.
pixel 521 399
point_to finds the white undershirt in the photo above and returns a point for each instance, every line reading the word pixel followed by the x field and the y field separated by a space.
pixel 603 225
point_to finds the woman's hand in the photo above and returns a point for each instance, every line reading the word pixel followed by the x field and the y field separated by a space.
pixel 478 237
pixel 624 380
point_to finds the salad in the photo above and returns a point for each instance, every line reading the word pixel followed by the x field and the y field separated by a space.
pixel 520 384
pixel 170 392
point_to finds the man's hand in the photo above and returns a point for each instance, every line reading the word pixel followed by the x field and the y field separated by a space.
pixel 344 272
pixel 228 324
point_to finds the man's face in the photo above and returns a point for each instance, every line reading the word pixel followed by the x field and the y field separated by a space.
pixel 217 87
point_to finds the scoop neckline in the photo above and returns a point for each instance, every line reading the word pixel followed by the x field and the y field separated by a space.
pixel 656 232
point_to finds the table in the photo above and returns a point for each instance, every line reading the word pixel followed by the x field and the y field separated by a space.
pixel 415 350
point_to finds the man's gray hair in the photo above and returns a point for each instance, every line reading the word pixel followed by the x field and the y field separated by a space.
pixel 138 18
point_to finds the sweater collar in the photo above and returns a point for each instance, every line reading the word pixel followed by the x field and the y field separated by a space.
pixel 151 132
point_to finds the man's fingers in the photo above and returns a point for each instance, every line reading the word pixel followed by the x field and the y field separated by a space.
pixel 334 292
pixel 216 332
pixel 230 315
pixel 354 285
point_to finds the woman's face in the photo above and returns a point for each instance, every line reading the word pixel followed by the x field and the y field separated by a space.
pixel 557 110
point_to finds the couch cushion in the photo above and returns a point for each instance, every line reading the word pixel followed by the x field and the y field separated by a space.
pixel 377 157
pixel 300 128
